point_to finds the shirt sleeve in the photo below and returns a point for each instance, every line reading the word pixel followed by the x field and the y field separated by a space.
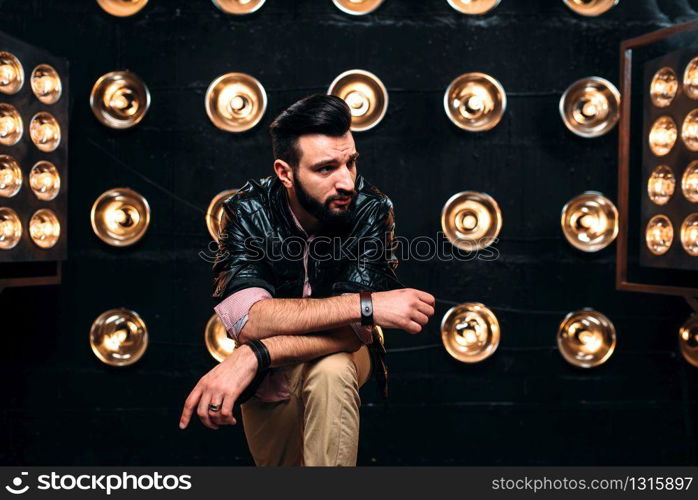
pixel 233 311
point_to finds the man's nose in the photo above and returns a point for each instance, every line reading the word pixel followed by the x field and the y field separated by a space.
pixel 344 180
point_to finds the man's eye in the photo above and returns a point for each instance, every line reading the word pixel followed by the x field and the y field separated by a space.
pixel 324 169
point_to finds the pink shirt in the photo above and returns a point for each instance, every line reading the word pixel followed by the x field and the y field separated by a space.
pixel 233 313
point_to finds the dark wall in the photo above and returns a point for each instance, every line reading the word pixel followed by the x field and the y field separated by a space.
pixel 524 405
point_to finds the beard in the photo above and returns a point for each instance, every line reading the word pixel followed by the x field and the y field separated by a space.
pixel 322 211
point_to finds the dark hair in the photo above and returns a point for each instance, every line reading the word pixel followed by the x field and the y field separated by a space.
pixel 315 114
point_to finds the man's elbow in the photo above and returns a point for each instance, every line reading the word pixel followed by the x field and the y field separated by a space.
pixel 352 343
pixel 250 330
pixel 246 334
pixel 355 345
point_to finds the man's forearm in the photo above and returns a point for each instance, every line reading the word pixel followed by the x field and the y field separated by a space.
pixel 274 317
pixel 292 349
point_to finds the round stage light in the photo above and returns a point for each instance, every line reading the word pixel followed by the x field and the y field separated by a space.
pixel 589 221
pixel 365 95
pixel 118 337
pixel 470 332
pixel 235 102
pixel 471 220
pixel 586 338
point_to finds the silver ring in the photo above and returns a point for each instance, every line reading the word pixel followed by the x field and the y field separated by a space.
pixel 212 407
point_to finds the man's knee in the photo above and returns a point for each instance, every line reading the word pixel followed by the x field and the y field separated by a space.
pixel 336 369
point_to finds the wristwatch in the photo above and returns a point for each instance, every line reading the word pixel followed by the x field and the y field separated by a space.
pixel 366 308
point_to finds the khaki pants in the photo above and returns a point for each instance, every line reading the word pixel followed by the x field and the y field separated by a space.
pixel 319 424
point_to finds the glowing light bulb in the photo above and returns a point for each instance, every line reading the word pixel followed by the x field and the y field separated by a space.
pixel 8 126
pixel 469 221
pixel 45 85
pixel 116 217
pixel 47 133
pixel 357 102
pixel 7 74
pixel 6 177
pixel 475 103
pixel 7 228
pixel 113 341
pixel 45 181
pixel 237 103
pixel 119 101
pixel 588 221
pixel 589 109
pixel 467 336
pixel 591 341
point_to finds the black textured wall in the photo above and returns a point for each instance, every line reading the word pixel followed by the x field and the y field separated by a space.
pixel 524 405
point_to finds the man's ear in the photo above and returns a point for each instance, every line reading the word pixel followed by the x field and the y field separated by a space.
pixel 284 172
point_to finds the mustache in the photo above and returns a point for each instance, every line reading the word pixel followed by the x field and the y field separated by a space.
pixel 340 195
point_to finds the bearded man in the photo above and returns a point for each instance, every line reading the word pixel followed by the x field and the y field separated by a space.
pixel 304 272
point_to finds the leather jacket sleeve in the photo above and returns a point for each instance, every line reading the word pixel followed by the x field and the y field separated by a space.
pixel 239 261
pixel 373 262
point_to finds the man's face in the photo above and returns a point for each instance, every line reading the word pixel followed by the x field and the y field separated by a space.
pixel 325 177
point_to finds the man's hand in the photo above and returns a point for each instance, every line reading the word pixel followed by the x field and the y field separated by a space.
pixel 406 309
pixel 221 386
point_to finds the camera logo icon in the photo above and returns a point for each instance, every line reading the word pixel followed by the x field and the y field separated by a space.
pixel 16 488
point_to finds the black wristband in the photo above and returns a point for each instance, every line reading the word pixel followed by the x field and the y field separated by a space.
pixel 263 363
pixel 261 353
pixel 366 308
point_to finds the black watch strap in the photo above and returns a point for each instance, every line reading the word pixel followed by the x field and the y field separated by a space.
pixel 366 308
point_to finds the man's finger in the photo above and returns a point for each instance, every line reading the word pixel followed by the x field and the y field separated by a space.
pixel 227 416
pixel 189 406
pixel 413 327
pixel 420 318
pixel 203 411
pixel 426 297
pixel 425 308
pixel 215 416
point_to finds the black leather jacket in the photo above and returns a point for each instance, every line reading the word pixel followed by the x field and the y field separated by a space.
pixel 261 246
